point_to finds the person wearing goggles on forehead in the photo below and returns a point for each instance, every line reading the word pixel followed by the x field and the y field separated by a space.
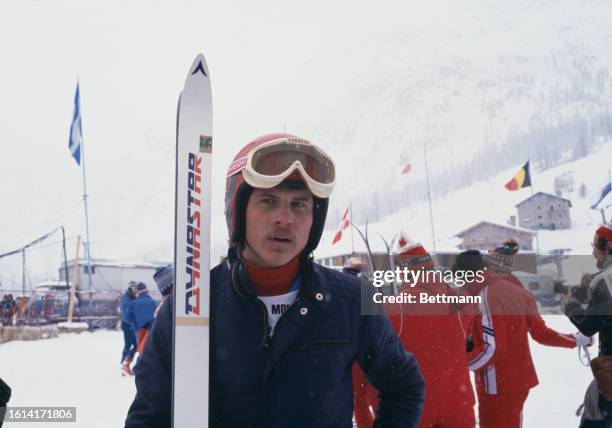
pixel 285 331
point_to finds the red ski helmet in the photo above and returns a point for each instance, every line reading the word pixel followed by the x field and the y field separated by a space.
pixel 265 163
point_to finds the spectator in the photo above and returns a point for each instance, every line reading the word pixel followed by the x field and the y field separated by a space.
pixel 140 314
pixel 129 334
pixel 596 318
pixel 434 333
pixel 501 358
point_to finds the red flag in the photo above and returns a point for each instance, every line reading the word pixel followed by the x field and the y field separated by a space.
pixel 407 168
pixel 346 222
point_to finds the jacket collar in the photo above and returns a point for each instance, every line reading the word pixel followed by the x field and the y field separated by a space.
pixel 315 287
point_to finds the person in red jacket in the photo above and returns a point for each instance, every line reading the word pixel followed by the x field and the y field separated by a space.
pixel 434 333
pixel 501 358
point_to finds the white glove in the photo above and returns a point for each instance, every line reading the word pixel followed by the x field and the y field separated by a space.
pixel 582 340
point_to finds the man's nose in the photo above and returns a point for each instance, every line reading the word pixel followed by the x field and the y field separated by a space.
pixel 283 215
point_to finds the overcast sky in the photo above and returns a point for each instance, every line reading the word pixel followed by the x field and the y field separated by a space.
pixel 131 58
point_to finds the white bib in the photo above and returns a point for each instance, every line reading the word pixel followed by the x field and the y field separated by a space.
pixel 277 305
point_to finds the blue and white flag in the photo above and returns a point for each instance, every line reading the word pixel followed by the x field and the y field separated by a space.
pixel 76 133
pixel 604 192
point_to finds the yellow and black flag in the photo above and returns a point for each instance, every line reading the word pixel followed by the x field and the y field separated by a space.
pixel 521 179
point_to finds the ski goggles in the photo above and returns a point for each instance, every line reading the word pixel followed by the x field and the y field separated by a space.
pixel 269 164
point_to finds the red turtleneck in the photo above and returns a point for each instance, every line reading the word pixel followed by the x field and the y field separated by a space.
pixel 273 281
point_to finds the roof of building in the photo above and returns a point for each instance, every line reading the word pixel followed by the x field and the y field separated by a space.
pixel 545 194
pixel 504 226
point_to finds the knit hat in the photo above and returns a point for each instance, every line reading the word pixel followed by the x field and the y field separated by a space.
pixel 138 287
pixel 502 258
pixel 469 260
pixel 412 254
pixel 164 278
pixel 604 231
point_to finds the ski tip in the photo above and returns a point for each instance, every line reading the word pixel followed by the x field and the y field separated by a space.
pixel 199 66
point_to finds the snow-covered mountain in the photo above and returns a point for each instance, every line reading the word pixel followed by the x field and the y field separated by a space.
pixel 489 200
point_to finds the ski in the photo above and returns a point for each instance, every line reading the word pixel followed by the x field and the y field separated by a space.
pixel 190 362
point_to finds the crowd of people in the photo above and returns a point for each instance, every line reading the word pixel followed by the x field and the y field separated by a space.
pixel 7 309
pixel 310 358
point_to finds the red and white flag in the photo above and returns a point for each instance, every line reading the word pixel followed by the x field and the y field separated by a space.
pixel 346 222
pixel 407 168
pixel 402 240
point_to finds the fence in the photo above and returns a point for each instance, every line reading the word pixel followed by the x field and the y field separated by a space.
pixel 34 307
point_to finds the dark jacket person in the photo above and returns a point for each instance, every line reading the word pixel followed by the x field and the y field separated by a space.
pixel 284 331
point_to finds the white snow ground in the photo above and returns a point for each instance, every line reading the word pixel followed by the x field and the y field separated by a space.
pixel 82 370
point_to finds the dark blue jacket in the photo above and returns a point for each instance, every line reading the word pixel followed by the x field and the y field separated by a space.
pixel 301 377
pixel 124 304
pixel 141 311
pixel 597 317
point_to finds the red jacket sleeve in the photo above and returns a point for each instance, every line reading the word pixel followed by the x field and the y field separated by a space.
pixel 543 334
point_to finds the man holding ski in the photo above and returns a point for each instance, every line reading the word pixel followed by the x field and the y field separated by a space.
pixel 284 331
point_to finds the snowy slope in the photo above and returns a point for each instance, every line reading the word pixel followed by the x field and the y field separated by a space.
pixel 489 200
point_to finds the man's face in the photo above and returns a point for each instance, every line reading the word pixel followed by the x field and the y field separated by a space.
pixel 278 223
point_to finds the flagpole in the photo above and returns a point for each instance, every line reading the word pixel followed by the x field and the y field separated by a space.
pixel 603 210
pixel 535 220
pixel 87 246
pixel 433 233
pixel 351 221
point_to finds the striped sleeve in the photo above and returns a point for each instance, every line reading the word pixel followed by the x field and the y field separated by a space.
pixel 484 335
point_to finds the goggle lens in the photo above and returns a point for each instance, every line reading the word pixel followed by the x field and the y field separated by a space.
pixel 275 160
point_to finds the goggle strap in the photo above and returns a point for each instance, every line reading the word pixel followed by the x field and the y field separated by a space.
pixel 236 166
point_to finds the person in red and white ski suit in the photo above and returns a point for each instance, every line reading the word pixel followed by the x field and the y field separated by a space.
pixel 501 358
pixel 434 333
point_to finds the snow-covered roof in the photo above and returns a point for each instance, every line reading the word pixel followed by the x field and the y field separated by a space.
pixel 504 226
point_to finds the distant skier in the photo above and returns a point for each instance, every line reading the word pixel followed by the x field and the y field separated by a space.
pixel 597 318
pixel 501 358
pixel 284 330
pixel 140 314
pixel 129 334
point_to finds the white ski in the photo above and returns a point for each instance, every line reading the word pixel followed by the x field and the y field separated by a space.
pixel 192 250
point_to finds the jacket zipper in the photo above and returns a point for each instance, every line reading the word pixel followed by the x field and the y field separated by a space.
pixel 265 342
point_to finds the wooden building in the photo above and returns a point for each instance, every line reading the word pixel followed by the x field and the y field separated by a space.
pixel 544 211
